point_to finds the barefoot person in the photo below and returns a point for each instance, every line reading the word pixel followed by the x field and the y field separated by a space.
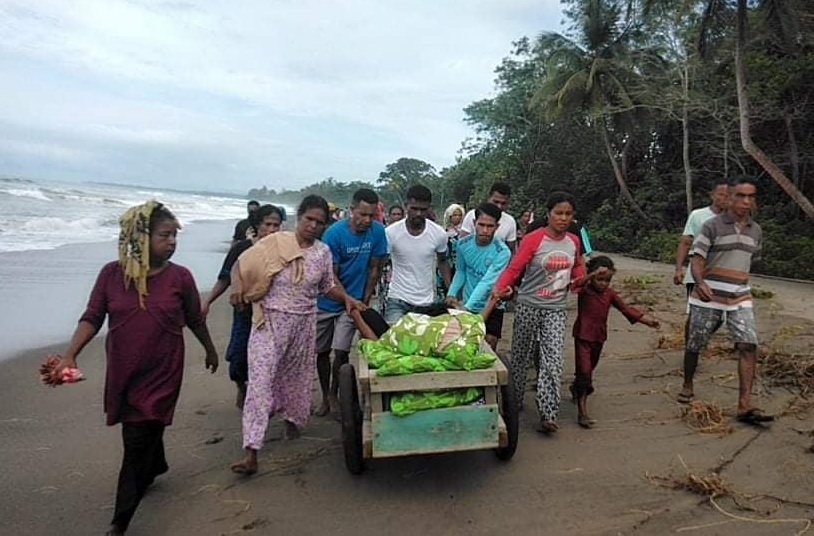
pixel 591 328
pixel 281 276
pixel 147 300
pixel 551 260
pixel 265 220
pixel 358 248
pixel 481 259
pixel 722 256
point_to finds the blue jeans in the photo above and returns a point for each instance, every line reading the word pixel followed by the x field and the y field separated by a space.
pixel 395 309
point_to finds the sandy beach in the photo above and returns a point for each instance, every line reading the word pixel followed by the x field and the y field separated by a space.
pixel 60 461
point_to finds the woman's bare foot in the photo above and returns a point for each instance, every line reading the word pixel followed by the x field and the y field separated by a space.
pixel 585 421
pixel 548 427
pixel 323 409
pixel 247 466
pixel 291 430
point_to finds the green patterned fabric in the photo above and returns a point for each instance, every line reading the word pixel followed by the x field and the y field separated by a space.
pixel 420 343
pixel 409 403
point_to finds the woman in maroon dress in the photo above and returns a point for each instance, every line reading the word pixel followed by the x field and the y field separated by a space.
pixel 147 300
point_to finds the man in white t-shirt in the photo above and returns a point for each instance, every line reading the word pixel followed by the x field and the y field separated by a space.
pixel 499 195
pixel 720 199
pixel 415 245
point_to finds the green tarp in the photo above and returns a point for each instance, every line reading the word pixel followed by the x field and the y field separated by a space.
pixel 420 343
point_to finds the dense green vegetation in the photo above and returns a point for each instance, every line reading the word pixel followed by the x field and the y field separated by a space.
pixel 637 112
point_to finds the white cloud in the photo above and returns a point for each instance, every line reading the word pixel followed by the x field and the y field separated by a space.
pixel 266 75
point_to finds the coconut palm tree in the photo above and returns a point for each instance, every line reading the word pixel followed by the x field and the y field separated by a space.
pixel 590 75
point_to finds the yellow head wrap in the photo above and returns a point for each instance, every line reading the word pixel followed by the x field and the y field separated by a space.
pixel 134 246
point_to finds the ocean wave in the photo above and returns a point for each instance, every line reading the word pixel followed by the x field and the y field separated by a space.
pixel 83 213
pixel 32 193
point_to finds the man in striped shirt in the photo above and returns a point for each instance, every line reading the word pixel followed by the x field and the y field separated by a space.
pixel 722 256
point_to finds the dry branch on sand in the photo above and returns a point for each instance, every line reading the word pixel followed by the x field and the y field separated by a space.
pixel 674 340
pixel 713 487
pixel 705 418
pixel 793 371
pixel 708 485
pixel 797 407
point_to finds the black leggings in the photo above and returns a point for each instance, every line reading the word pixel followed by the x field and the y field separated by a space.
pixel 143 461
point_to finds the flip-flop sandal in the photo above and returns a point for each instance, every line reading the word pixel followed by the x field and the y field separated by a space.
pixel 684 398
pixel 586 422
pixel 242 469
pixel 754 416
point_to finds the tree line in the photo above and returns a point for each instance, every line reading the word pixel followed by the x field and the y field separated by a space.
pixel 637 109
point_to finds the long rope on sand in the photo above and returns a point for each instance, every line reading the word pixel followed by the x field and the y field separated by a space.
pixel 753 520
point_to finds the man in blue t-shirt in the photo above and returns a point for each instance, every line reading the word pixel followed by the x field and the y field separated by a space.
pixel 359 246
pixel 480 259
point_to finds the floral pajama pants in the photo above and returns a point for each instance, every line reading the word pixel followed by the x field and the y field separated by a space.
pixel 539 335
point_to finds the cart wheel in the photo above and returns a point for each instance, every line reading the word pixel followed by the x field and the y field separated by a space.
pixel 509 409
pixel 351 419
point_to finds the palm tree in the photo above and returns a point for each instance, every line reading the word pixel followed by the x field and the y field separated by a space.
pixel 590 75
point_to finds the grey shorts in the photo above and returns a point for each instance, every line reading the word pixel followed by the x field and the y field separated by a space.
pixel 705 321
pixel 335 331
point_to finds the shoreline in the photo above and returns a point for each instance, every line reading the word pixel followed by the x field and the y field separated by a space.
pixel 623 263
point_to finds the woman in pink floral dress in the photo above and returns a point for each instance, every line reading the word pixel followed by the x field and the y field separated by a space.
pixel 282 351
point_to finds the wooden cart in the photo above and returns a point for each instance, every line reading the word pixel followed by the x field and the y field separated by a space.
pixel 369 430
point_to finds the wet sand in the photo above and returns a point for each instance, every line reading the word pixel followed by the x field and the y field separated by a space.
pixel 60 461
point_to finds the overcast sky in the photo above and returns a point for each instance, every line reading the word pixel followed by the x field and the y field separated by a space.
pixel 230 95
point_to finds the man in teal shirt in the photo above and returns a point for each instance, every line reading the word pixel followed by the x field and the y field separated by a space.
pixel 480 259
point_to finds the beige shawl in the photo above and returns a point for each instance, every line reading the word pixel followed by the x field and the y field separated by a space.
pixel 254 271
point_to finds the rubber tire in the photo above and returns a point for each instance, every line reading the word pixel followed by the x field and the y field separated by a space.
pixel 510 410
pixel 351 418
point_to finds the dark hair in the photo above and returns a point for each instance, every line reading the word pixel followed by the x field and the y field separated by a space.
pixel 560 197
pixel 720 181
pixel 253 202
pixel 390 210
pixel 600 261
pixel 159 215
pixel 536 224
pixel 419 192
pixel 364 194
pixel 257 217
pixel 741 179
pixel 502 188
pixel 490 210
pixel 313 201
